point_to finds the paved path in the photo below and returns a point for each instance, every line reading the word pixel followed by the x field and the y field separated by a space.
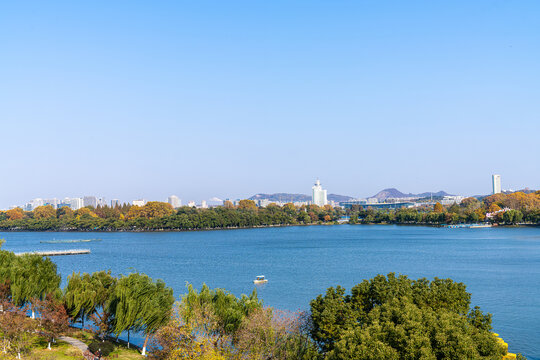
pixel 77 343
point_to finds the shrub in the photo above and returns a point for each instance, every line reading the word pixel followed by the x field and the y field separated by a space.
pixel 106 347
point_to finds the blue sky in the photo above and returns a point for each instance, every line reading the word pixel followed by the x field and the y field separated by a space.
pixel 131 99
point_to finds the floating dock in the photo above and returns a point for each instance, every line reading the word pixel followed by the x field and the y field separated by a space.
pixel 68 241
pixel 469 226
pixel 56 252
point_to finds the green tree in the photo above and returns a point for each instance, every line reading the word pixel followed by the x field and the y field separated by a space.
pixel 33 278
pixel 227 310
pixel 138 303
pixel 394 317
pixel 88 296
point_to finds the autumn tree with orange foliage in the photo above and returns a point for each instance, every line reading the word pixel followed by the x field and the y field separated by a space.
pixel 15 214
pixel 494 208
pixel 517 200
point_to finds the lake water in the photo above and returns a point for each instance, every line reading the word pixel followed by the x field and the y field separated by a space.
pixel 500 266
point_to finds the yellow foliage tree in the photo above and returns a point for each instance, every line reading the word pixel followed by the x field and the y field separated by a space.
pixel 481 214
pixel 493 208
pixel 135 212
pixel 15 214
pixel 155 209
pixel 84 212
pixel 247 204
pixel 44 212
pixel 438 208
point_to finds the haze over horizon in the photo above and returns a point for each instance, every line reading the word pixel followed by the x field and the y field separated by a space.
pixel 230 99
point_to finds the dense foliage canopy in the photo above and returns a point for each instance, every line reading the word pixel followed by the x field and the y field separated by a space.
pixel 507 209
pixel 161 216
pixel 394 317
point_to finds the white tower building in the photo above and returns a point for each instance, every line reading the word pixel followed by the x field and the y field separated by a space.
pixel 174 201
pixel 319 195
pixel 496 183
pixel 76 203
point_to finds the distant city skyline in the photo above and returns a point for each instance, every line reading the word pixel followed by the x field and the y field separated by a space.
pixel 318 197
pixel 228 99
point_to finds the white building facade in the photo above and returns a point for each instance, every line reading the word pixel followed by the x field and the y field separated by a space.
pixel 318 196
pixel 174 201
pixel 496 179
pixel 140 202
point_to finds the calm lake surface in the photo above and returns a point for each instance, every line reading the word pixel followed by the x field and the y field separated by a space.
pixel 500 266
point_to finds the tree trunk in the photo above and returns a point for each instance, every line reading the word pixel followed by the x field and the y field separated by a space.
pixel 33 314
pixel 49 347
pixel 128 340
pixel 82 319
pixel 143 353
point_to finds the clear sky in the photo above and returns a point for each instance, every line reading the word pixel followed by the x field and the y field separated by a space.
pixel 143 99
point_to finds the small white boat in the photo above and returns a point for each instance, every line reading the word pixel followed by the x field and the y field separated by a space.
pixel 260 280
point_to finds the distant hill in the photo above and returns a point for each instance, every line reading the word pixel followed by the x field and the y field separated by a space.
pixel 395 193
pixel 338 198
pixel 285 197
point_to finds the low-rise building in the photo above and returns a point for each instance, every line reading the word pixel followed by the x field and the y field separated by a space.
pixel 139 202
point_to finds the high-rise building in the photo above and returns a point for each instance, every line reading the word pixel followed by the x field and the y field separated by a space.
pixel 496 179
pixel 174 201
pixel 53 202
pixel 90 201
pixel 204 204
pixel 115 203
pixel 318 195
pixel 191 203
pixel 32 204
pixel 76 203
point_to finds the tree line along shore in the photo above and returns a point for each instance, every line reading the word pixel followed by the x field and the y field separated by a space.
pixel 386 317
pixel 503 209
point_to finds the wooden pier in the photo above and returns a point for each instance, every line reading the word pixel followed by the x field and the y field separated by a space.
pixel 56 252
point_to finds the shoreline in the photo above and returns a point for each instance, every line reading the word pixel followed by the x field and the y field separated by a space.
pixel 254 227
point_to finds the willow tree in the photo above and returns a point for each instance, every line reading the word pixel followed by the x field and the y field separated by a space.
pixel 227 310
pixel 89 295
pixel 140 304
pixel 7 259
pixel 33 278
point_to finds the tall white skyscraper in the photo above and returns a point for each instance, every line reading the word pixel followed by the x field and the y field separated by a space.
pixel 174 201
pixel 496 183
pixel 319 195
pixel 76 203
pixel 90 201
